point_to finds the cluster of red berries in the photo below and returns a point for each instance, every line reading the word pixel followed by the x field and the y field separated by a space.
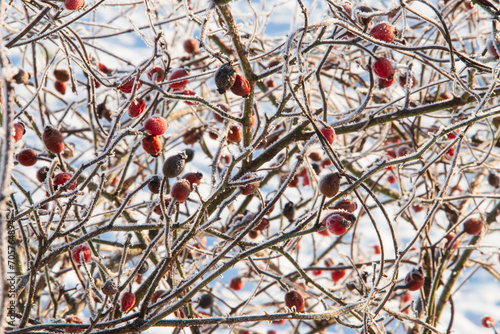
pixel 154 127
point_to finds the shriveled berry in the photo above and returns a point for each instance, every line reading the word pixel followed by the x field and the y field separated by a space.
pixel 189 153
pixel 206 301
pixel 61 74
pixel 250 187
pixel 129 85
pixel 363 9
pixel 494 180
pixel 160 73
pixel 225 77
pixel 315 156
pixel 157 295
pixel 109 288
pixel 402 81
pixel 174 165
pixel 152 145
pixel 144 268
pixel 76 321
pixel 254 234
pixel 382 67
pixel 473 226
pixel 293 299
pixel 235 134
pixel 41 174
pixel 270 83
pixel 289 211
pixel 156 125
pixel 104 111
pixel 384 31
pixel 53 139
pixel 77 252
pixel 329 134
pixel 262 225
pixel 60 86
pixel 127 301
pixel 414 280
pixel 61 179
pixel 27 157
pixel 22 77
pixel 157 208
pixel 192 136
pixel 337 225
pixel 193 178
pixel 384 83
pixel 329 184
pixel 273 63
pixel 18 130
pixel 488 322
pixel 218 117
pixel 136 108
pixel 74 4
pixel 236 283
pixel 154 184
pixel 241 86
pixel 191 46
pixel 181 190
pixel 346 204
pixel 177 74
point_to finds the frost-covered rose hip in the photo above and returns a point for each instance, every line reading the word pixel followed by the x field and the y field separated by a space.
pixel 235 134
pixel 136 107
pixel 174 165
pixel 61 179
pixel 129 85
pixel 384 31
pixel 193 178
pixel 18 131
pixel 78 251
pixel 160 73
pixel 154 184
pixel 156 125
pixel 74 4
pixel 337 224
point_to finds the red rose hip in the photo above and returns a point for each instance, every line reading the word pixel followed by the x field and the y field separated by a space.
pixel 156 125
pixel 294 299
pixel 177 74
pixel 77 252
pixel 329 134
pixel 241 86
pixel 136 108
pixel 473 226
pixel 384 31
pixel 27 157
pixel 61 179
pixel 127 301
pixel 382 67
pixel 160 74
pixel 181 190
pixel 152 145
pixel 237 283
